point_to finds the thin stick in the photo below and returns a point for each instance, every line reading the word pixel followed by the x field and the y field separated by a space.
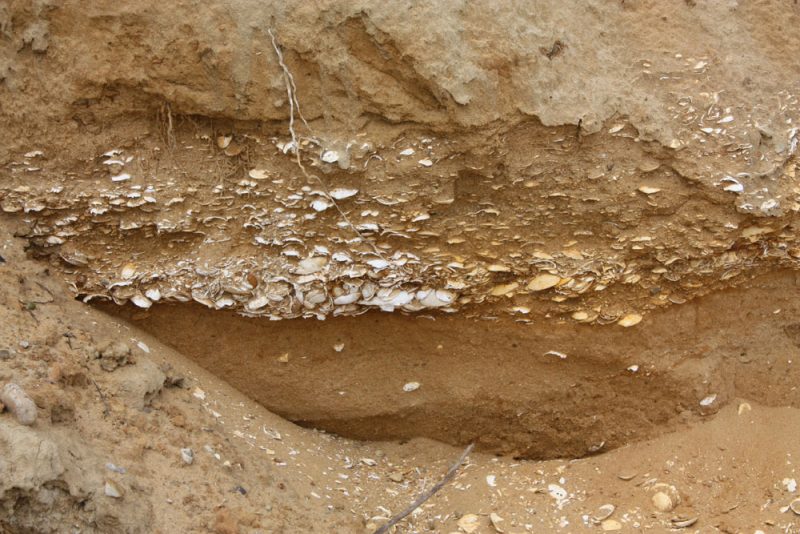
pixel 427 494
pixel 106 409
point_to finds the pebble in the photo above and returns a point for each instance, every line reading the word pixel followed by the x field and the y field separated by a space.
pixel 6 354
pixel 19 403
pixel 187 455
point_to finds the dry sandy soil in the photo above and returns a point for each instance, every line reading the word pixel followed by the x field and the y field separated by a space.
pixel 271 266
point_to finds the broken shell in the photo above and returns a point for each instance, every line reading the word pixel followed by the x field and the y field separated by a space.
pixel 407 152
pixel 469 523
pixel 794 506
pixel 311 265
pixel 258 174
pixel 683 522
pixel 425 162
pixel 663 502
pixel 580 315
pixel 128 271
pixel 629 320
pixel 141 301
pixel 647 190
pixel 504 289
pixel 604 512
pixel 610 525
pixel 543 281
pixel 330 156
pixel 496 522
pixel 224 140
pixel 121 177
pixel 744 407
pixel 341 193
pixel 411 386
pixel 112 490
pixel 709 400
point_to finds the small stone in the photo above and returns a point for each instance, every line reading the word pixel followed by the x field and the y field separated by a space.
pixel 187 455
pixel 112 490
pixel 396 476
pixel 19 403
pixel 6 354
pixel 411 386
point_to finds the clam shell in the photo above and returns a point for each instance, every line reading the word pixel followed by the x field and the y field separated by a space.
pixel 604 512
pixel 543 281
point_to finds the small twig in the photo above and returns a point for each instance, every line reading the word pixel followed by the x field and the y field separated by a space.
pixel 106 409
pixel 427 494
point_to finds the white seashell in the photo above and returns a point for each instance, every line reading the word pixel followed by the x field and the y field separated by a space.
pixel 121 177
pixel 330 156
pixel 543 281
pixel 341 193
pixel 141 301
pixel 257 303
pixel 556 353
pixel 647 190
pixel 128 271
pixel 320 204
pixel 112 490
pixel 794 506
pixel 258 174
pixel 604 512
pixel 616 128
pixel 407 152
pixel 425 162
pixel 411 386
pixel 629 320
pixel 223 141
pixel 709 400
pixel 557 492
pixel 311 265
pixel 491 480
pixel 343 300
pixel 378 263
pixel 153 294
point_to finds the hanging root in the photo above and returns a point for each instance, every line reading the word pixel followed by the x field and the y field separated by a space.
pixel 294 105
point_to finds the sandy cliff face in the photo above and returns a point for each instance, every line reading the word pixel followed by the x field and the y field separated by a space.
pixel 593 163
